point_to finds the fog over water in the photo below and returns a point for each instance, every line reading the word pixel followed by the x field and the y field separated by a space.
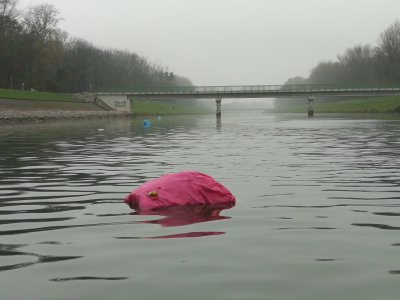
pixel 229 42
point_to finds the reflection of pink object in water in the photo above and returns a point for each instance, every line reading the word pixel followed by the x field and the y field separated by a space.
pixel 187 235
pixel 173 216
pixel 186 215
pixel 188 188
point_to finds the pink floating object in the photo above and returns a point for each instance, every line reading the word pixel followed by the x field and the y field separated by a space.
pixel 179 189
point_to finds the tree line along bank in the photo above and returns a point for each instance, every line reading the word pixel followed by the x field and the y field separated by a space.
pixel 36 54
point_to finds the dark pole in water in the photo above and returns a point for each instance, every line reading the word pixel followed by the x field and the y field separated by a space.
pixel 219 112
pixel 130 101
pixel 310 106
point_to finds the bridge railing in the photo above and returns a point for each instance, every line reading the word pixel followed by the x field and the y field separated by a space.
pixel 212 89
pixel 254 89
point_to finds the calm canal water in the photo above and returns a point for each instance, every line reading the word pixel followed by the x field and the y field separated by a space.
pixel 317 217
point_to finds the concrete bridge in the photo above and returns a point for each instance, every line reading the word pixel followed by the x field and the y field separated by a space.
pixel 252 91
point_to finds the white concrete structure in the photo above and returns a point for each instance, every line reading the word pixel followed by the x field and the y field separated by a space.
pixel 117 102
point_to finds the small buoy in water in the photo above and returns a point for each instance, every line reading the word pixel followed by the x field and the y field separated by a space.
pixel 187 188
pixel 146 123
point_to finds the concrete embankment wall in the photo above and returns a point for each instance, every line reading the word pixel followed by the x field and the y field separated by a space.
pixel 117 103
pixel 26 111
pixel 37 105
pixel 43 116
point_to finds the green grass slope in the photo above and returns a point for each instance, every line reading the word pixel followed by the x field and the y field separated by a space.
pixel 142 108
pixel 30 95
pixel 370 105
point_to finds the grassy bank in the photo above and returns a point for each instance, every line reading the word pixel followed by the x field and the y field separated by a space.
pixel 142 108
pixel 47 101
pixel 29 95
pixel 371 105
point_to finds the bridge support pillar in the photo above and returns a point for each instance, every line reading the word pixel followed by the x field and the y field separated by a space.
pixel 218 101
pixel 130 101
pixel 310 106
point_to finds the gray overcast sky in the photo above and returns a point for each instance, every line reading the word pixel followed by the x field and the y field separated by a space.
pixel 225 42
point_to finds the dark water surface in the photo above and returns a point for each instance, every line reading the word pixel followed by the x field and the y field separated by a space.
pixel 318 212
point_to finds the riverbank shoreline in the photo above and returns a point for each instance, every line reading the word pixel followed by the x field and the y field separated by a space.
pixel 15 111
pixel 19 117
pixel 378 105
pixel 18 111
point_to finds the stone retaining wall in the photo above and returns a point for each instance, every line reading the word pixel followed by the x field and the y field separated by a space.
pixel 44 105
pixel 42 116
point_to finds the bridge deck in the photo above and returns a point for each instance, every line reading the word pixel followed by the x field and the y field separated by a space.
pixel 254 91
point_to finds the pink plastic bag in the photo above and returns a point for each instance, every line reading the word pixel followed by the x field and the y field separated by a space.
pixel 179 189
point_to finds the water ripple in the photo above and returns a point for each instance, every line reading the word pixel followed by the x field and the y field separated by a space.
pixel 305 189
pixel 12 250
pixel 378 226
pixel 87 278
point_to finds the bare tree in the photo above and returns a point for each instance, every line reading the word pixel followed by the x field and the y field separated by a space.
pixel 390 38
pixel 42 21
pixel 357 65
pixel 326 73
pixel 388 52
pixel 7 8
pixel 45 45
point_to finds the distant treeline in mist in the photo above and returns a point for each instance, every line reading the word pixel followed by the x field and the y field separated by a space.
pixel 362 65
pixel 35 53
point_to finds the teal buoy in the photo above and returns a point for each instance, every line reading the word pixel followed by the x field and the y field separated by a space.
pixel 146 123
